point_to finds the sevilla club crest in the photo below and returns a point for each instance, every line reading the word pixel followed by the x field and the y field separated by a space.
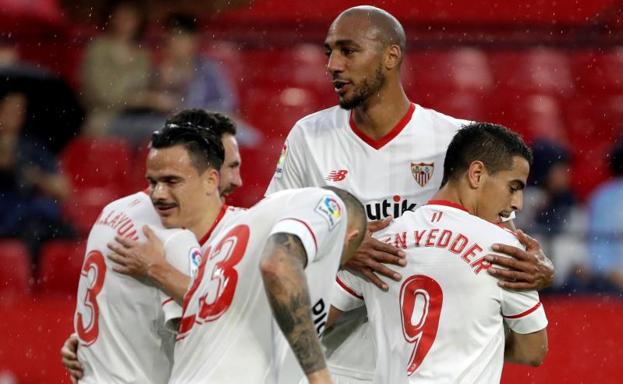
pixel 422 172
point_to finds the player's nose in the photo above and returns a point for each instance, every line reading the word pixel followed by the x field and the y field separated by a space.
pixel 517 201
pixel 335 64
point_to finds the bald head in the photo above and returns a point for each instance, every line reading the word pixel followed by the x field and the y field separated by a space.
pixel 386 27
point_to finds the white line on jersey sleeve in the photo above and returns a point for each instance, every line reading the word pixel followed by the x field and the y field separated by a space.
pixel 303 231
pixel 523 312
pixel 347 293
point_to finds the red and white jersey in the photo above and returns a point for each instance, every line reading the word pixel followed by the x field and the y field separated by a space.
pixel 389 176
pixel 444 322
pixel 120 321
pixel 227 333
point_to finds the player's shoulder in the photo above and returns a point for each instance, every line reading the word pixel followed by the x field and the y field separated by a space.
pixel 136 201
pixel 326 119
pixel 441 120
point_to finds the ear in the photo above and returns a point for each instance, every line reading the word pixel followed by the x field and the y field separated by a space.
pixel 352 234
pixel 210 179
pixel 348 252
pixel 393 55
pixel 476 174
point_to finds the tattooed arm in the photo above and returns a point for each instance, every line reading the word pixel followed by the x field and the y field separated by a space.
pixel 282 267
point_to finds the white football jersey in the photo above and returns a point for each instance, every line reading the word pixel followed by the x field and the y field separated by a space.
pixel 389 176
pixel 119 320
pixel 444 322
pixel 227 333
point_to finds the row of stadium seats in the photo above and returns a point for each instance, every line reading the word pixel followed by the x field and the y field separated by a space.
pixel 534 70
pixel 58 274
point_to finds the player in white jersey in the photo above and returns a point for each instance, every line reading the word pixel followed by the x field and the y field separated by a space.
pixel 384 149
pixel 120 321
pixel 185 197
pixel 444 322
pixel 262 263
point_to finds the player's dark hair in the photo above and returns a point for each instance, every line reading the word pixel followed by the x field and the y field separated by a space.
pixel 493 144
pixel 218 123
pixel 181 23
pixel 204 146
pixel 356 212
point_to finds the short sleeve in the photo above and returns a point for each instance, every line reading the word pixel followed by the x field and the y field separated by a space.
pixel 290 169
pixel 347 293
pixel 523 311
pixel 318 217
pixel 182 252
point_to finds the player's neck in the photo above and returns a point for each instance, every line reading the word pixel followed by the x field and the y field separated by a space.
pixel 207 218
pixel 378 115
pixel 453 193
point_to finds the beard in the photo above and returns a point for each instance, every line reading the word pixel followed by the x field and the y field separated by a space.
pixel 367 89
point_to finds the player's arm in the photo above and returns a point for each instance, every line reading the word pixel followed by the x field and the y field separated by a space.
pixel 282 268
pixel 147 260
pixel 373 255
pixel 527 349
pixel 525 270
pixel 526 322
pixel 69 358
pixel 347 295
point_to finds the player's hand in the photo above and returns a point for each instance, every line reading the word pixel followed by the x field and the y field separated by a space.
pixel 69 357
pixel 136 259
pixel 527 270
pixel 373 254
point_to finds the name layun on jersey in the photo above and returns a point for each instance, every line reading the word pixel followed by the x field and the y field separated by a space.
pixel 120 321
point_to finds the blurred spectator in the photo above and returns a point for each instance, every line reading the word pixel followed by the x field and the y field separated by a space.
pixel 551 214
pixel 116 69
pixel 55 115
pixel 606 226
pixel 190 78
pixel 548 198
pixel 183 79
pixel 31 188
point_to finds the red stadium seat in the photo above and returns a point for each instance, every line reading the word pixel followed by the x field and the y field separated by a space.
pixel 14 270
pixel 463 105
pixel 543 71
pixel 464 70
pixel 59 271
pixel 99 170
pixel 258 167
pixel 599 73
pixel 97 163
pixel 274 110
pixel 303 65
pixel 534 116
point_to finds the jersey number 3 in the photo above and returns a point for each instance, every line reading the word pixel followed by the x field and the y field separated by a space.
pixel 93 274
pixel 420 305
pixel 219 263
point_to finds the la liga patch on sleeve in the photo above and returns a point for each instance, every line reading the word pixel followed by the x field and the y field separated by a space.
pixel 330 209
pixel 195 261
pixel 281 162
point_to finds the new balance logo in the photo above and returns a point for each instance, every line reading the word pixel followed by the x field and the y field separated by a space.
pixel 338 175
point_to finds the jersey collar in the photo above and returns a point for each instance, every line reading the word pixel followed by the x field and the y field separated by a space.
pixel 218 219
pixel 379 143
pixel 447 203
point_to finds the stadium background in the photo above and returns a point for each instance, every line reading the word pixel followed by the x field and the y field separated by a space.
pixel 543 68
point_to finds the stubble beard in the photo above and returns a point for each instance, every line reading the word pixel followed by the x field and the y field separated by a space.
pixel 367 89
